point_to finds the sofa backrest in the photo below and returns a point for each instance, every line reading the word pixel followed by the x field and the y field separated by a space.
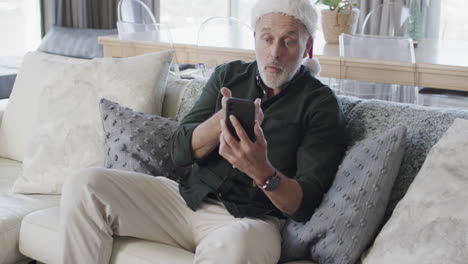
pixel 366 118
pixel 425 126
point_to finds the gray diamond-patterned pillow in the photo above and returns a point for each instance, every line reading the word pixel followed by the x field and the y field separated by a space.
pixel 139 142
pixel 351 212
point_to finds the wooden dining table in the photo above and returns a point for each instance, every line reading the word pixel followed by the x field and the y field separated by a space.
pixel 439 63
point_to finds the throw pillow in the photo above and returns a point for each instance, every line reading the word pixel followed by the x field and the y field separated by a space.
pixel 66 135
pixel 429 225
pixel 74 42
pixel 139 142
pixel 174 90
pixel 37 71
pixel 189 96
pixel 351 212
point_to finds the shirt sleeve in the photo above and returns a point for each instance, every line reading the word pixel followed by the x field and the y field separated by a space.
pixel 319 155
pixel 204 108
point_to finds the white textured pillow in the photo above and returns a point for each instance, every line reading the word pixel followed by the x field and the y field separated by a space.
pixel 430 223
pixel 67 134
pixel 19 116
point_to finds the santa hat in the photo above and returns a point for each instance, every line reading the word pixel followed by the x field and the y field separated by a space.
pixel 301 10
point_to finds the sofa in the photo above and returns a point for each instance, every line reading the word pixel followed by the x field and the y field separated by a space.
pixel 29 222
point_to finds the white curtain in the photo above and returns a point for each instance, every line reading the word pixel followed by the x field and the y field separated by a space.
pixel 430 10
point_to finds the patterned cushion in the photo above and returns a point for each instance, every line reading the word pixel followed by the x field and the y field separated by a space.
pixel 425 126
pixel 351 212
pixel 138 142
pixel 74 42
pixel 190 95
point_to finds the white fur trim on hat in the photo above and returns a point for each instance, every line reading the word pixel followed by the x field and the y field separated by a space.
pixel 313 65
pixel 302 10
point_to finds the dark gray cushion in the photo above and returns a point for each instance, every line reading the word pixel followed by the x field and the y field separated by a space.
pixel 9 67
pixel 74 42
pixel 139 142
pixel 351 212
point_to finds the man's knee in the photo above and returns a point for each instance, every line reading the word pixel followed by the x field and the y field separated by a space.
pixel 78 183
pixel 242 243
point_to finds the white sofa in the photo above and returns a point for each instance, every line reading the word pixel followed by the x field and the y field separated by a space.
pixel 37 216
pixel 29 223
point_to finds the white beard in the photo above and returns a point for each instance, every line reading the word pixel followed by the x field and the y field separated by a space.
pixel 277 80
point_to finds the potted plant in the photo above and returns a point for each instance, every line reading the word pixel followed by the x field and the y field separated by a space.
pixel 340 17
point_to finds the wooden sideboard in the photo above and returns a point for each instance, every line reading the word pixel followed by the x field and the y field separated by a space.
pixel 439 64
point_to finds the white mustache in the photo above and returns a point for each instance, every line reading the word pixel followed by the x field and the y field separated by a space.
pixel 275 64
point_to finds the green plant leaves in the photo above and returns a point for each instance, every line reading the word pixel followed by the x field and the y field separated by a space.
pixel 334 4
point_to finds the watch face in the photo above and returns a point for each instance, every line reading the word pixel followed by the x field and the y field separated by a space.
pixel 273 183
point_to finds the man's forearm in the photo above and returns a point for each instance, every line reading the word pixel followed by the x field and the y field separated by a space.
pixel 205 137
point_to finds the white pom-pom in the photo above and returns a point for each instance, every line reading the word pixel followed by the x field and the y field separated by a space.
pixel 312 65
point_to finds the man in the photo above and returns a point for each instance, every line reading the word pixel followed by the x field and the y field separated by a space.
pixel 230 209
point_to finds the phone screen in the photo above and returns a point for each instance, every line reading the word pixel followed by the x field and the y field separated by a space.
pixel 244 110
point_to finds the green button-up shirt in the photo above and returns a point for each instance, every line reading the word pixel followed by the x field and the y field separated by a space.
pixel 303 126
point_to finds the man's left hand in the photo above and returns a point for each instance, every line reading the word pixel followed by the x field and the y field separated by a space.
pixel 247 156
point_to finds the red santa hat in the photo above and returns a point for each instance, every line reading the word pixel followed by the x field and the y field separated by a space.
pixel 301 10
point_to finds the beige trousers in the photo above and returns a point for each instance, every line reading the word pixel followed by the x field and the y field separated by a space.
pixel 98 204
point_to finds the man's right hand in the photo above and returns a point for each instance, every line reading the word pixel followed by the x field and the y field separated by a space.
pixel 205 137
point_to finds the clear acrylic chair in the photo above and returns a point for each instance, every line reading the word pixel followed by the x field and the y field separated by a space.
pixel 379 48
pixel 223 33
pixel 137 22
pixel 388 19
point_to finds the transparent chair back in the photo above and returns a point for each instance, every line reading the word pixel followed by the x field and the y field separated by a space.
pixel 137 22
pixel 379 48
pixel 388 19
pixel 222 33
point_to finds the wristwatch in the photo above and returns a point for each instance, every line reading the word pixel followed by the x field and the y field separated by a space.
pixel 272 183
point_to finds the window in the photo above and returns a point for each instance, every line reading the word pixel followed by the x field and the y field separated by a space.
pixel 20 26
pixel 242 9
pixel 182 13
pixel 454 24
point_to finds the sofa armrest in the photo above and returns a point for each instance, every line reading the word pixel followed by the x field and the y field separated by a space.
pixel 3 105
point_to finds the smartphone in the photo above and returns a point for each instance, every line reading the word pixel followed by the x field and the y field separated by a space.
pixel 244 110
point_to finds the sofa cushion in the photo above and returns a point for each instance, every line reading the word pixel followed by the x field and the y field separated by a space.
pixel 13 207
pixel 3 105
pixel 189 96
pixel 67 129
pixel 351 212
pixel 425 126
pixel 74 42
pixel 429 225
pixel 139 142
pixel 44 224
pixel 18 118
pixel 174 89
